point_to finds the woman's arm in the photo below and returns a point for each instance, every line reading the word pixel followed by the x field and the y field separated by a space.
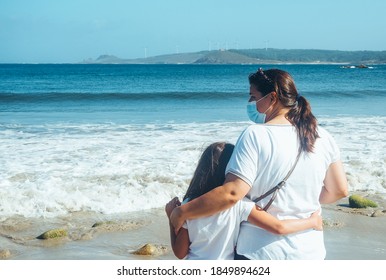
pixel 180 241
pixel 212 202
pixel 335 184
pixel 268 222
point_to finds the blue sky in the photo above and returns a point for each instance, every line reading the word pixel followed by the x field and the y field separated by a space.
pixel 53 31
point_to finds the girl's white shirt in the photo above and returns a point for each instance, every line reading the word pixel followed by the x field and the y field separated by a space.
pixel 214 237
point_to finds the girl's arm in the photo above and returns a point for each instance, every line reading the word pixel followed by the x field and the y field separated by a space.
pixel 217 200
pixel 335 184
pixel 180 241
pixel 268 222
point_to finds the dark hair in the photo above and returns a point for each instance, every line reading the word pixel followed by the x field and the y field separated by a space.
pixel 300 114
pixel 210 170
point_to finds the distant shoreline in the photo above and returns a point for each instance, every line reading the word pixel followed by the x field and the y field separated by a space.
pixel 208 64
pixel 254 57
pixel 246 57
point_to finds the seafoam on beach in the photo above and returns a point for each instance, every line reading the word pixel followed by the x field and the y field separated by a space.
pixel 53 170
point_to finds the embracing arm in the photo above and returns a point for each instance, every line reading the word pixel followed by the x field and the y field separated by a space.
pixel 179 241
pixel 218 199
pixel 335 184
pixel 268 222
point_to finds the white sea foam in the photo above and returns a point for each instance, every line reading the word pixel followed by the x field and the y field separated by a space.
pixel 363 150
pixel 54 169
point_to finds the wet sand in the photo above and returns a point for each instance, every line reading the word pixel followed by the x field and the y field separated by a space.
pixel 350 234
pixel 355 234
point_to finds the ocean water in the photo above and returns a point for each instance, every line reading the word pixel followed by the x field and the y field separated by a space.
pixel 121 138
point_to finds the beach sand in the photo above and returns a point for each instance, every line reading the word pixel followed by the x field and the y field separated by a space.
pixel 350 234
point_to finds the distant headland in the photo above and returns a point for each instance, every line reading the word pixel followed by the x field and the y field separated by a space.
pixel 254 56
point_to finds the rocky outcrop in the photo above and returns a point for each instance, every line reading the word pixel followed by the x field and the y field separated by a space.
pixel 151 250
pixel 5 254
pixel 357 201
pixel 53 233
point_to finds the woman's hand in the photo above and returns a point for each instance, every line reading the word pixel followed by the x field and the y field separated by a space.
pixel 317 220
pixel 176 219
pixel 171 205
pixel 217 200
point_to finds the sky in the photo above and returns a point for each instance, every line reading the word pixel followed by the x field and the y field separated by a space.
pixel 69 31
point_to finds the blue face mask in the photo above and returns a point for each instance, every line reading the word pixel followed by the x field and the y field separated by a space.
pixel 253 114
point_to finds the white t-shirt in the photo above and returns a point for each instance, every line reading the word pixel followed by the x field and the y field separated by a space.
pixel 214 237
pixel 262 157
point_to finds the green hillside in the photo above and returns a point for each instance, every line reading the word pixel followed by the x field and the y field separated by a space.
pixel 254 56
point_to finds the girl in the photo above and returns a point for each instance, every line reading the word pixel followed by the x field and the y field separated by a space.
pixel 215 237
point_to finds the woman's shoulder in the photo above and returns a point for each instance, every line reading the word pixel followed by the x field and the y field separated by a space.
pixel 326 140
pixel 323 133
pixel 258 128
pixel 262 132
pixel 253 133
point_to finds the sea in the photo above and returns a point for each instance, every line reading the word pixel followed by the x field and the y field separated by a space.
pixel 114 139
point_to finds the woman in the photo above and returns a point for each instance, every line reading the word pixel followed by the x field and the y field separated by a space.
pixel 263 156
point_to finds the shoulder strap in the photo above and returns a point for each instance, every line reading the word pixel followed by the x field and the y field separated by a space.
pixel 278 186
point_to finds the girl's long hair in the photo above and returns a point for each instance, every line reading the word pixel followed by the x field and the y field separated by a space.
pixel 300 114
pixel 210 170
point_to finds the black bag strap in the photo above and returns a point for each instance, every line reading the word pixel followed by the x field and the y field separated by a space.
pixel 275 189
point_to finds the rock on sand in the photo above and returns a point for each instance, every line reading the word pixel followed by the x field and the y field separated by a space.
pixel 151 250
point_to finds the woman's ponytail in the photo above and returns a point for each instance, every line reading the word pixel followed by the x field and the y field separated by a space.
pixel 301 117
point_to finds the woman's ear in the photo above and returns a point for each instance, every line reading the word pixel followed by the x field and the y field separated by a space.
pixel 273 96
